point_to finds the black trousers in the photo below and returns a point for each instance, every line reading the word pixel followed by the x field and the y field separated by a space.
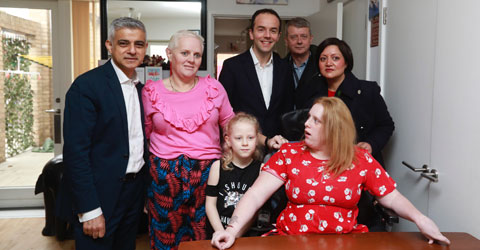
pixel 121 228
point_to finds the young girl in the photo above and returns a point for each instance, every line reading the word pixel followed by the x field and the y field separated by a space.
pixel 238 169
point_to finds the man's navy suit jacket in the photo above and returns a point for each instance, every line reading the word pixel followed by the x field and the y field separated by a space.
pixel 96 145
pixel 240 80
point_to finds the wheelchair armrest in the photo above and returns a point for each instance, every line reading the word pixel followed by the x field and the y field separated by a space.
pixel 388 215
pixel 260 224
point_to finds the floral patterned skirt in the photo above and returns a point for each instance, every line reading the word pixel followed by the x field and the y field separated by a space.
pixel 176 201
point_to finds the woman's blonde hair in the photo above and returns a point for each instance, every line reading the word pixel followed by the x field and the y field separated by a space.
pixel 173 43
pixel 227 155
pixel 340 133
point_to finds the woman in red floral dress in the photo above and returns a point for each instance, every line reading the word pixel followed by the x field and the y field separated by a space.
pixel 324 176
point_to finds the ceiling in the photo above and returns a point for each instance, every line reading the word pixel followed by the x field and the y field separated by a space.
pixel 153 9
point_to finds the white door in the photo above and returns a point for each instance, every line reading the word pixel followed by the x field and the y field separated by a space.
pixel 61 48
pixel 60 11
pixel 430 85
pixel 406 77
pixel 454 201
pixel 408 91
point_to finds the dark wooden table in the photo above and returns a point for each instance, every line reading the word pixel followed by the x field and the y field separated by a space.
pixel 368 241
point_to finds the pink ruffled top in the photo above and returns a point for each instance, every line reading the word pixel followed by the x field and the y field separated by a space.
pixel 186 122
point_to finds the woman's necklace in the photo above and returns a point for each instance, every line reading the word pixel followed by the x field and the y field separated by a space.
pixel 172 82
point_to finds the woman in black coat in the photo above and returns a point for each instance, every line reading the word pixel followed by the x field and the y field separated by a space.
pixel 373 123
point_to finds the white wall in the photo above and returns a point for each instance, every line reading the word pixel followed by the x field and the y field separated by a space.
pixel 324 25
pixel 355 33
pixel 293 9
pixel 324 22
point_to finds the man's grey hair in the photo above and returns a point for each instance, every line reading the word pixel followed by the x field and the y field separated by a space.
pixel 124 22
pixel 173 43
pixel 299 22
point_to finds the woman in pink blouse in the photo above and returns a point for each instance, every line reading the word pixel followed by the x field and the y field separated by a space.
pixel 324 176
pixel 183 116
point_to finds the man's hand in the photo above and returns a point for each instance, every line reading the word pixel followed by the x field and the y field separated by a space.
pixel 365 145
pixel 95 227
pixel 276 142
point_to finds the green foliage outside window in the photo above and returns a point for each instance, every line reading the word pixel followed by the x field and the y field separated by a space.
pixel 18 98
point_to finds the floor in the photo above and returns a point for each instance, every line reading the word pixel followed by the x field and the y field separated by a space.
pixel 21 230
pixel 23 169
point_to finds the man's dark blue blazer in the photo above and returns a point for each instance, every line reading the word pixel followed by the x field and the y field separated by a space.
pixel 96 146
pixel 240 80
pixel 304 88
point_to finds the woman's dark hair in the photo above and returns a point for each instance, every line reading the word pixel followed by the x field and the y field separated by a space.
pixel 265 11
pixel 342 46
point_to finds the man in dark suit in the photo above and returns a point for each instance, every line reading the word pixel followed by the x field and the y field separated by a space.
pixel 256 81
pixel 104 145
pixel 301 57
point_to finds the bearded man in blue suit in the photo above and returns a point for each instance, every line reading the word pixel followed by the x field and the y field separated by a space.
pixel 104 149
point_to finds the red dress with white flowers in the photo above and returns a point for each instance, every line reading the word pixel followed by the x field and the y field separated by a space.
pixel 318 202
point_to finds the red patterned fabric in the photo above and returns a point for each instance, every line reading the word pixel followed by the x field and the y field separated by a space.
pixel 318 202
pixel 176 201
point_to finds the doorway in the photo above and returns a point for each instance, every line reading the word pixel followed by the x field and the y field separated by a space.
pixel 231 38
pixel 27 89
pixel 41 29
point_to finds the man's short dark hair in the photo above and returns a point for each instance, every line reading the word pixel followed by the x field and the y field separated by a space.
pixel 265 11
pixel 124 22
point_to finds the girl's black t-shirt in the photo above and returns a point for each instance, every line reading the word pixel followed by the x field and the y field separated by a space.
pixel 232 185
